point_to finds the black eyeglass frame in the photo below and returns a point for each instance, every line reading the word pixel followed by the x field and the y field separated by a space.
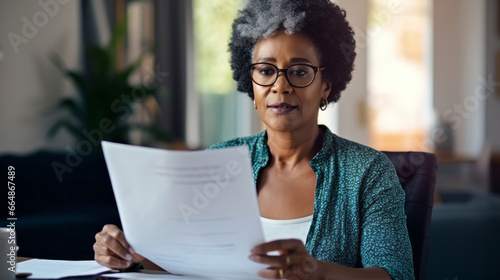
pixel 285 72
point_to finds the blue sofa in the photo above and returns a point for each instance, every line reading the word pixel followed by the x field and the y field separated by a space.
pixel 58 219
pixel 465 237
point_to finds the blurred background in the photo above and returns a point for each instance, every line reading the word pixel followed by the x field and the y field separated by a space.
pixel 156 73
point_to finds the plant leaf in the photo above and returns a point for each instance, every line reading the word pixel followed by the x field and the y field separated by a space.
pixel 101 63
pixel 64 124
pixel 73 107
pixel 124 75
pixel 77 79
pixel 118 34
pixel 79 82
pixel 58 63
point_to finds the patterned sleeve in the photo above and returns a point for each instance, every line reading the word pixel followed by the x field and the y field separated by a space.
pixel 384 236
pixel 226 144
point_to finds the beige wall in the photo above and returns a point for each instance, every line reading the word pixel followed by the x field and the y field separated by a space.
pixel 30 84
pixel 459 67
pixel 492 127
pixel 350 125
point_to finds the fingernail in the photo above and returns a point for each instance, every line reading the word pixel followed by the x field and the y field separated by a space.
pixel 128 264
pixel 131 250
pixel 128 257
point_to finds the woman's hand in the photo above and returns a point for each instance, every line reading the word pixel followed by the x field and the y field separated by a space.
pixel 112 250
pixel 293 261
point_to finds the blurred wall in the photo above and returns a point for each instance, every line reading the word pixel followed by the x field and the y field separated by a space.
pixel 460 70
pixel 351 124
pixel 492 131
pixel 30 84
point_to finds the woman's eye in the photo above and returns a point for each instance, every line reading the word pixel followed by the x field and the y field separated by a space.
pixel 266 71
pixel 298 72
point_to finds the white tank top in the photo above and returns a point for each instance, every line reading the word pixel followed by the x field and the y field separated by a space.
pixel 286 229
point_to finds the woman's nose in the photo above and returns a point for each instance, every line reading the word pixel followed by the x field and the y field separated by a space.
pixel 281 85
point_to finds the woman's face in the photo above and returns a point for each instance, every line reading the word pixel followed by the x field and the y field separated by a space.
pixel 281 106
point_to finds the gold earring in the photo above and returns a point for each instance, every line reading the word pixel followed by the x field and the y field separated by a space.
pixel 254 104
pixel 323 104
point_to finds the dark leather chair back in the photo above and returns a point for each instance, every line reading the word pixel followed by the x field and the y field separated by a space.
pixel 417 175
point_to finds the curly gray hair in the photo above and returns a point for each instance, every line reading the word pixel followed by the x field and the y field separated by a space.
pixel 323 21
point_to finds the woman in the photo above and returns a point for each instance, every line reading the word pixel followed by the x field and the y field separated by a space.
pixel 333 208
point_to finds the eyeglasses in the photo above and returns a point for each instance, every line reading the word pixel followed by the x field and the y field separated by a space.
pixel 297 75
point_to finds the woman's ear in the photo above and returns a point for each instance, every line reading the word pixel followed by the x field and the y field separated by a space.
pixel 326 89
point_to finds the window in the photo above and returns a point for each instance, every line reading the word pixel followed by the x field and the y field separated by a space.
pixel 224 112
pixel 399 74
pixel 138 41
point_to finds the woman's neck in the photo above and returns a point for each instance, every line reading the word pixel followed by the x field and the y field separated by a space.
pixel 290 148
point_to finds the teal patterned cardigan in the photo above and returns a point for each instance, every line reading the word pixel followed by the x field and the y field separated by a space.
pixel 359 218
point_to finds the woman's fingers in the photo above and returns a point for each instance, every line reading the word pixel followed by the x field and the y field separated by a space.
pixel 293 261
pixel 282 261
pixel 111 244
pixel 295 272
pixel 277 264
pixel 271 273
pixel 106 257
pixel 112 261
pixel 136 258
pixel 118 235
pixel 283 245
pixel 112 249
pixel 290 251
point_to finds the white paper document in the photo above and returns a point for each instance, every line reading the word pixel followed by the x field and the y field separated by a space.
pixel 149 276
pixel 54 269
pixel 190 212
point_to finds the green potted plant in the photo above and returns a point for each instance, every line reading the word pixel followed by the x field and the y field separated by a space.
pixel 107 97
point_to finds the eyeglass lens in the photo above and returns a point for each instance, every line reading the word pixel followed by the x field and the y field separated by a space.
pixel 298 75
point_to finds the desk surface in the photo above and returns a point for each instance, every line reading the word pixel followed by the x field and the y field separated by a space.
pixel 93 277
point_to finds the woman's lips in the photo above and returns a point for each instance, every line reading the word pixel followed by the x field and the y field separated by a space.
pixel 281 108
